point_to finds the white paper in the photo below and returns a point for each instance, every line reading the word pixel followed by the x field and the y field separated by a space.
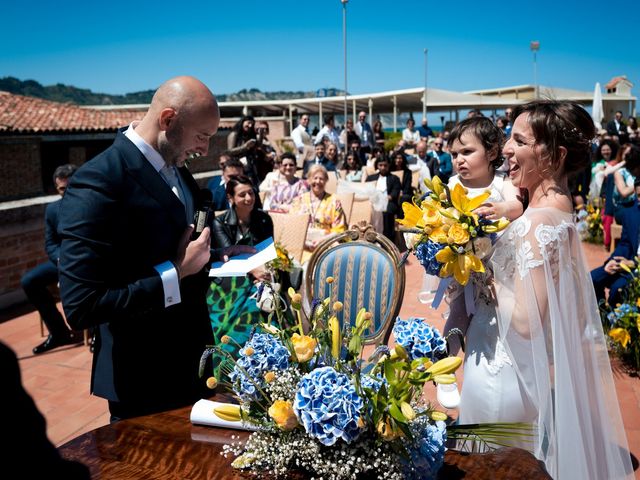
pixel 202 414
pixel 242 264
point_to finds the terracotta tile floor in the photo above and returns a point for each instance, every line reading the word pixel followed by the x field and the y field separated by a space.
pixel 59 380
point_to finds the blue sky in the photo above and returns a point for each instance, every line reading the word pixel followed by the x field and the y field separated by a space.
pixel 297 45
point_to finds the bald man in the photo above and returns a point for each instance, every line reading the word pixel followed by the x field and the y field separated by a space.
pixel 127 264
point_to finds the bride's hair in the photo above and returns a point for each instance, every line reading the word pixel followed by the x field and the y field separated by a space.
pixel 560 124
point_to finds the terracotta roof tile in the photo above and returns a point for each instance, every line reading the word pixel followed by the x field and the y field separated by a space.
pixel 21 114
pixel 614 81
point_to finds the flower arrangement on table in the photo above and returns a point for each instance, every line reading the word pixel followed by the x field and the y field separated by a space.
pixel 589 222
pixel 321 408
pixel 447 237
pixel 622 322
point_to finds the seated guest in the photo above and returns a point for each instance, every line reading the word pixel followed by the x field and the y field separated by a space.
pixel 319 159
pixel 421 158
pixel 425 130
pixel 410 136
pixel 325 210
pixel 216 180
pixel 26 448
pixel 443 165
pixel 230 167
pixel 406 193
pixel 231 300
pixel 612 275
pixel 352 170
pixel 388 184
pixel 281 194
pixel 331 157
pixel 35 282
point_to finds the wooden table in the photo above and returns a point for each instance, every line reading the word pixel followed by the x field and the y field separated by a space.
pixel 167 446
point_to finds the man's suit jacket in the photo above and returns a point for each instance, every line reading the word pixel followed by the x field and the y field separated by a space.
pixel 612 130
pixel 118 220
pixel 627 246
pixel 394 188
pixel 51 237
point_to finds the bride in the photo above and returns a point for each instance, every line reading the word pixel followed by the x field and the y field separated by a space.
pixel 538 353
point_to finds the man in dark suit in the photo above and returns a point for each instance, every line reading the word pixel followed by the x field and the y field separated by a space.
pixel 231 167
pixel 389 184
pixel 35 282
pixel 127 261
pixel 611 275
pixel 618 129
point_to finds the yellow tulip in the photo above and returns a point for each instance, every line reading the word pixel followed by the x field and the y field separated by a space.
pixel 444 366
pixel 282 413
pixel 408 411
pixel 435 185
pixel 457 264
pixel 336 342
pixel 445 378
pixel 228 412
pixel 621 336
pixel 436 415
pixel 304 347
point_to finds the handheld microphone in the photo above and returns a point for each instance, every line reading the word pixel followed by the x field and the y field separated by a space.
pixel 201 216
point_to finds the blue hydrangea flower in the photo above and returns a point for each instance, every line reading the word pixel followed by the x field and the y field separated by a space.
pixel 426 449
pixel 373 383
pixel 328 406
pixel 419 338
pixel 426 255
pixel 268 354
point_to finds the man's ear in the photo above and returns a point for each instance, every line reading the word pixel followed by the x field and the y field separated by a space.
pixel 167 115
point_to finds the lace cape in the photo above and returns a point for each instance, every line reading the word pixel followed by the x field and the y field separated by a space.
pixel 550 326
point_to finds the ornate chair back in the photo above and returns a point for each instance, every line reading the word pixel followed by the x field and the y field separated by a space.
pixel 364 265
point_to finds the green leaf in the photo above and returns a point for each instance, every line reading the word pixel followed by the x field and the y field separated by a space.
pixel 396 413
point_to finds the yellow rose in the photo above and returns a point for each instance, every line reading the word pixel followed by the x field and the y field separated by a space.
pixel 282 413
pixel 457 234
pixel 304 347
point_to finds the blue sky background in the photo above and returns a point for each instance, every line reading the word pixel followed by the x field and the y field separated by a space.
pixel 297 45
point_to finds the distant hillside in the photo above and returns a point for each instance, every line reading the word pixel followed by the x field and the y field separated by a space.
pixel 81 96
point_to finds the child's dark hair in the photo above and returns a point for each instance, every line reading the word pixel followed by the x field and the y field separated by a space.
pixel 491 137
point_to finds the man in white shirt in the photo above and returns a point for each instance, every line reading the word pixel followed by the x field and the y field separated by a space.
pixel 328 131
pixel 302 140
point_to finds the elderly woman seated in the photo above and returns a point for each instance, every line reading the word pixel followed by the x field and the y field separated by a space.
pixel 283 187
pixel 325 210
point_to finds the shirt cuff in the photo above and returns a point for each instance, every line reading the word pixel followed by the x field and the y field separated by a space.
pixel 170 283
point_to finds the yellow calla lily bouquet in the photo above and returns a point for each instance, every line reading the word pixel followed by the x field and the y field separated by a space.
pixel 448 238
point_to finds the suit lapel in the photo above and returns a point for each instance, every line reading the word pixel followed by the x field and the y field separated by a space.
pixel 150 180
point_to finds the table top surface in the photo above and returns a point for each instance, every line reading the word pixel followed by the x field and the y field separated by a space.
pixel 167 446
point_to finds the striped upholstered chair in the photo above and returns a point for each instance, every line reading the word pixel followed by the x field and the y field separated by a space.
pixel 363 264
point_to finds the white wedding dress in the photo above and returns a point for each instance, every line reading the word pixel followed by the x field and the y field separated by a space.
pixel 538 353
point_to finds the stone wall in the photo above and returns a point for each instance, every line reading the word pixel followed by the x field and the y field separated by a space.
pixel 21 247
pixel 21 167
